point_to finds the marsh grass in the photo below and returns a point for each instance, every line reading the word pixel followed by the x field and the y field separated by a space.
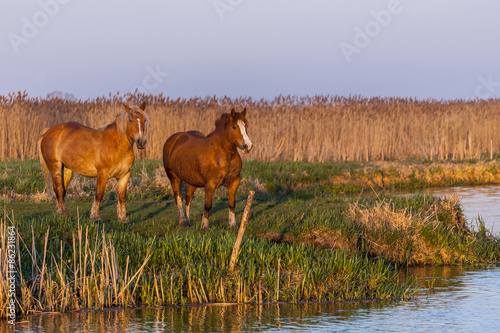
pixel 316 129
pixel 76 265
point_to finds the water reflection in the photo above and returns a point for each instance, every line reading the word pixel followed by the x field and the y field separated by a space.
pixel 236 318
pixel 464 299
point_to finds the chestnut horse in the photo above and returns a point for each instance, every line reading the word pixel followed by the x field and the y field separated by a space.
pixel 104 153
pixel 207 161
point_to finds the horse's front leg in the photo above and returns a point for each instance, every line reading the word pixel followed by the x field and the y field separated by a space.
pixel 189 196
pixel 122 194
pixel 209 193
pixel 232 188
pixel 101 185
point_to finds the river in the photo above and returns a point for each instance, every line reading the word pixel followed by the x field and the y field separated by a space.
pixel 463 299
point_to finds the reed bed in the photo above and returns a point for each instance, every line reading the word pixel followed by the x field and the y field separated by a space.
pixel 317 128
pixel 48 279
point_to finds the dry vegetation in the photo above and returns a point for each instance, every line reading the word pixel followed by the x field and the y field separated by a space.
pixel 408 236
pixel 320 128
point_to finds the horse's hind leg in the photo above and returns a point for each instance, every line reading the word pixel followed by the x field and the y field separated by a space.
pixel 189 196
pixel 67 174
pixel 232 188
pixel 209 193
pixel 122 194
pixel 57 171
pixel 101 185
pixel 175 182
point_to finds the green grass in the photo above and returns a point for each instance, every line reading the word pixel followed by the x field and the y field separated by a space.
pixel 149 182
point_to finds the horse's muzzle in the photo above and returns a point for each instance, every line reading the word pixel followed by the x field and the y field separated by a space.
pixel 246 149
pixel 141 143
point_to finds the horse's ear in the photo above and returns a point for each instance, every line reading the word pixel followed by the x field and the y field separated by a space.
pixel 143 106
pixel 127 108
pixel 244 112
pixel 233 112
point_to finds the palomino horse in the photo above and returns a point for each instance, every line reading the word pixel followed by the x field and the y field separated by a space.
pixel 107 152
pixel 207 161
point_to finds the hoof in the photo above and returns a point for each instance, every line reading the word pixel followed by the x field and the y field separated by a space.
pixel 185 223
pixel 64 213
pixel 204 223
pixel 124 220
pixel 96 219
pixel 233 226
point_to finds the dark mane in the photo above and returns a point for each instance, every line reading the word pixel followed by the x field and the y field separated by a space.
pixel 222 120
pixel 220 123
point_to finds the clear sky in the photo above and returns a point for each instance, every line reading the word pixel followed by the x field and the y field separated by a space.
pixel 258 48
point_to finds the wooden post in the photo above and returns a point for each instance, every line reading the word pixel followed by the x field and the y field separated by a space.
pixel 241 231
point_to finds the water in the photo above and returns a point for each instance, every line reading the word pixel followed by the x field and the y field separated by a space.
pixel 464 299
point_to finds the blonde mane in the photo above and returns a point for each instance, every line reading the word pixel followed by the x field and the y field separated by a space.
pixel 121 123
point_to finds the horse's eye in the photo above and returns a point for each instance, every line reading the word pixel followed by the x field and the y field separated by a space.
pixel 234 127
pixel 130 120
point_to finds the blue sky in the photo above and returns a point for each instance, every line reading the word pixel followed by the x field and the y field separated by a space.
pixel 425 49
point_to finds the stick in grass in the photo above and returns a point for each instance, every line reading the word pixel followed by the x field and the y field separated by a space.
pixel 241 231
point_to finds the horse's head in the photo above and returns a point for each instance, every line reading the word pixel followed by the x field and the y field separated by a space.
pixel 135 123
pixel 237 127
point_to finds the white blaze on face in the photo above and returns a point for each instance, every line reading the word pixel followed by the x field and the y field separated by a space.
pixel 139 124
pixel 243 130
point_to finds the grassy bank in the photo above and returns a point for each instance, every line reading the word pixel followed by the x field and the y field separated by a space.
pixel 23 180
pixel 308 239
pixel 67 265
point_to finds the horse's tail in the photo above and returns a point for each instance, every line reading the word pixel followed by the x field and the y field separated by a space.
pixel 49 187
